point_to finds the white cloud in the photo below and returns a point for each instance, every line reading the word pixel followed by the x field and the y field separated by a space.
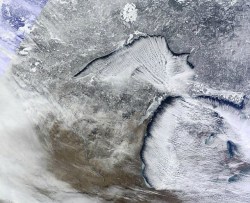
pixel 23 171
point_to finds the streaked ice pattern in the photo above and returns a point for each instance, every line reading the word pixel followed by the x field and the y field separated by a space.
pixel 145 60
pixel 190 146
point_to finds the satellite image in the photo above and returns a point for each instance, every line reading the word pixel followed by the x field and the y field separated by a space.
pixel 124 101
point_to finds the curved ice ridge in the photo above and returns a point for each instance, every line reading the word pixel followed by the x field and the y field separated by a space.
pixel 188 145
pixel 147 59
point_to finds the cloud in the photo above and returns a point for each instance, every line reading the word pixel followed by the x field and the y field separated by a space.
pixel 23 174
